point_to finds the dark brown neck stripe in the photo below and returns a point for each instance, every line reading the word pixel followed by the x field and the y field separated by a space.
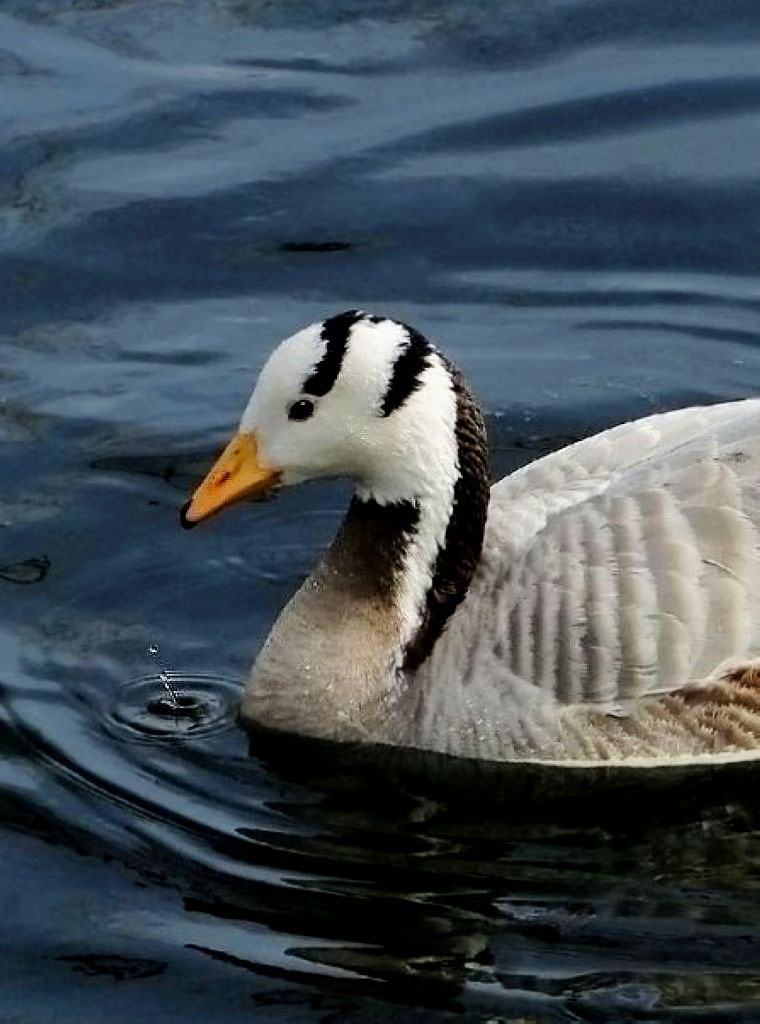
pixel 372 544
pixel 460 553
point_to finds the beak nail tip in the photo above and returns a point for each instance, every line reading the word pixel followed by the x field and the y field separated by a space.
pixel 185 523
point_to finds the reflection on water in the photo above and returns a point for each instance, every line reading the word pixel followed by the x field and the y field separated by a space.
pixel 562 194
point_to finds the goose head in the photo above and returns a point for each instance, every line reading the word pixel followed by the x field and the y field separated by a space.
pixel 369 398
pixel 356 395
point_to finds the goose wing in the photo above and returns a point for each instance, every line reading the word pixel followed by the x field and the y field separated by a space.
pixel 628 563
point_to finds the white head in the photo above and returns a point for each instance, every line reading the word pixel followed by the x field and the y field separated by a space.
pixel 370 398
pixel 356 395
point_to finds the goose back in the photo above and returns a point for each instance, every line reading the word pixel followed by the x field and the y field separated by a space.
pixel 621 567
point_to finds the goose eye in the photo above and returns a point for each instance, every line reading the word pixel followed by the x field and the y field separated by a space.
pixel 301 410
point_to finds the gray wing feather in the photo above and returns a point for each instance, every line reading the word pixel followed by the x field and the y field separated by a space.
pixel 628 563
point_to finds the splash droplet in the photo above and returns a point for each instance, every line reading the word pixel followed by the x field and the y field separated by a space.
pixel 206 705
pixel 174 698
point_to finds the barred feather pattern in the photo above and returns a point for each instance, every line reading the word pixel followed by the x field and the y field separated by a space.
pixel 616 610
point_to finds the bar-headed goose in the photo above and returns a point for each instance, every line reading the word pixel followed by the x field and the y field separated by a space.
pixel 599 605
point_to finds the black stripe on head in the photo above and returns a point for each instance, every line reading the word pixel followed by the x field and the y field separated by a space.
pixel 335 334
pixel 405 376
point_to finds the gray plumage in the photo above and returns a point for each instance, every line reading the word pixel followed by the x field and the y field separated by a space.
pixel 618 592
pixel 607 607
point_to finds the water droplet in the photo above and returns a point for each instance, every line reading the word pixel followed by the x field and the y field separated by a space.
pixel 205 705
pixel 163 675
pixel 174 697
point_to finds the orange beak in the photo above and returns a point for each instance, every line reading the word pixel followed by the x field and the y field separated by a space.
pixel 237 473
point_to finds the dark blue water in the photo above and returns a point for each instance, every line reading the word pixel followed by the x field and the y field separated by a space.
pixel 565 195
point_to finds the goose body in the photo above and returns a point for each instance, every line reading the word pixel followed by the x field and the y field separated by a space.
pixel 600 605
